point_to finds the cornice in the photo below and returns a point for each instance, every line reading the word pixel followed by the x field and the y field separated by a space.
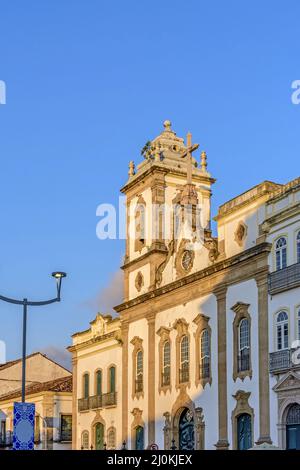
pixel 160 168
pixel 261 249
pixel 95 340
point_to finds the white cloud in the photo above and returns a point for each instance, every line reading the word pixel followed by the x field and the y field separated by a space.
pixel 108 297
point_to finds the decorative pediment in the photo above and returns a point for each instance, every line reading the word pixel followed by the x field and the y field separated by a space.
pixel 137 342
pixel 290 381
pixel 181 325
pixel 201 319
pixel 241 308
pixel 99 325
pixel 163 332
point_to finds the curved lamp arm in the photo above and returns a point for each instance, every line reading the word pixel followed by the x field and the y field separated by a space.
pixel 57 275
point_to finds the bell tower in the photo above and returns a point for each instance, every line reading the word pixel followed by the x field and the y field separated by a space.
pixel 167 202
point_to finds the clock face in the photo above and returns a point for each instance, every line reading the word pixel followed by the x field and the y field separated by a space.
pixel 187 260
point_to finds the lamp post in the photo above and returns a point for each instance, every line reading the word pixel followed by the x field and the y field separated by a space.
pixel 58 275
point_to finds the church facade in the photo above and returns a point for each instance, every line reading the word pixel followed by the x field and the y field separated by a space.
pixel 202 353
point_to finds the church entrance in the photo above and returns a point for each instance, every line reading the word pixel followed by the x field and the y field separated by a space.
pixel 293 427
pixel 99 436
pixel 186 430
pixel 244 431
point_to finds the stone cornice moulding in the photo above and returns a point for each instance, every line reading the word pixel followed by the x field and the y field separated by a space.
pixel 247 256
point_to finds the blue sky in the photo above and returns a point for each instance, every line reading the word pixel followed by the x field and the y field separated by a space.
pixel 88 83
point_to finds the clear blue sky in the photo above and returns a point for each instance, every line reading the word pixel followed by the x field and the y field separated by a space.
pixel 88 83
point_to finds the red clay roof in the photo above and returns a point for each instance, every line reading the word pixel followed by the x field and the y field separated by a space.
pixel 63 384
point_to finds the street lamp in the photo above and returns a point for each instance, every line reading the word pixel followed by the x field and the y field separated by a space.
pixel 58 275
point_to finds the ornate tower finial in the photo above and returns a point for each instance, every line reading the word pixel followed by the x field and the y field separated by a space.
pixel 167 125
pixel 203 161
pixel 131 166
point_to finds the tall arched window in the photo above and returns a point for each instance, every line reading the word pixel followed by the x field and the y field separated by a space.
pixel 112 379
pixel 205 354
pixel 139 438
pixel 86 385
pixel 99 382
pixel 166 364
pixel 298 247
pixel 281 254
pixel 140 224
pixel 282 330
pixel 85 440
pixel 111 438
pixel 139 371
pixel 244 345
pixel 244 432
pixel 184 359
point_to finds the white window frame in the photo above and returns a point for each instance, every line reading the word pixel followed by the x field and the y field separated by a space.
pixel 280 250
pixel 185 364
pixel 281 326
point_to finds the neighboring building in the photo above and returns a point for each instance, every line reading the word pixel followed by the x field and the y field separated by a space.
pixel 98 384
pixel 49 386
pixel 202 316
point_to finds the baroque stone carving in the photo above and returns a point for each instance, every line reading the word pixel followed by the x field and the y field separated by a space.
pixel 240 233
pixel 139 281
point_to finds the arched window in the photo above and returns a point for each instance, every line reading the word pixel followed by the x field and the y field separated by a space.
pixel 139 438
pixel 298 247
pixel 86 385
pixel 244 431
pixel 140 224
pixel 184 360
pixel 280 252
pixel 166 364
pixel 99 382
pixel 205 354
pixel 85 440
pixel 244 345
pixel 282 330
pixel 111 438
pixel 112 379
pixel 139 371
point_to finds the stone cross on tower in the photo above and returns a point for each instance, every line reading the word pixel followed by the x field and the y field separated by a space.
pixel 190 148
pixel 189 194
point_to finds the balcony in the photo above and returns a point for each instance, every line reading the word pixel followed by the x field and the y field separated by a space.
pixel 97 401
pixel 83 404
pixel 284 279
pixel 280 361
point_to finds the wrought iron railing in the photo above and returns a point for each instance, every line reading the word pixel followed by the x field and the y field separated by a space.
pixel 83 404
pixel 184 375
pixel 280 360
pixel 97 401
pixel 244 362
pixel 109 399
pixel 284 279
